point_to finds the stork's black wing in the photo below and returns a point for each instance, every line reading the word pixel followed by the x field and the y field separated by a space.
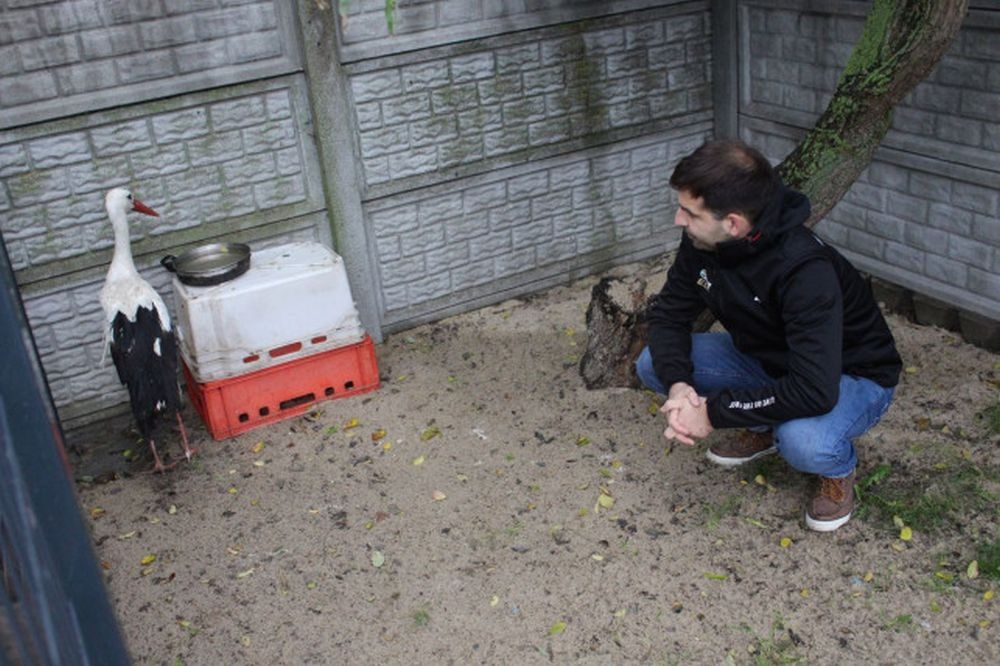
pixel 145 355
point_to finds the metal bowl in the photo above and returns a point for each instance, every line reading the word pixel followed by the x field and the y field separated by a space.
pixel 210 264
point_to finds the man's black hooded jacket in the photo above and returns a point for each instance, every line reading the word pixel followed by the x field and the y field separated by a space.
pixel 788 300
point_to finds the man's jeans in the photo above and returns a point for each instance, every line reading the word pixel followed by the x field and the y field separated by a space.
pixel 817 444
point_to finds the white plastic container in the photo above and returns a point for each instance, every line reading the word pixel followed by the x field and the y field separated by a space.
pixel 293 301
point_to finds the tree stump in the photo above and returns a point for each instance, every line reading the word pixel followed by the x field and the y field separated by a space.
pixel 616 332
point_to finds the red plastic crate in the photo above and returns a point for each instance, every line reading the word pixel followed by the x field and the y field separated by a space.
pixel 232 406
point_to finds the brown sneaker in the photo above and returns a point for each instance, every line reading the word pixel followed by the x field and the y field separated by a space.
pixel 745 447
pixel 832 505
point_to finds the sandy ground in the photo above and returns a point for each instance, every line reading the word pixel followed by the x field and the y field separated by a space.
pixel 461 521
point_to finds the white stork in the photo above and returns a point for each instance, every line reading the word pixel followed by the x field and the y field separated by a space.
pixel 138 329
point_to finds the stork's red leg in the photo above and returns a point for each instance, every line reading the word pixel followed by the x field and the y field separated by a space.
pixel 188 451
pixel 158 464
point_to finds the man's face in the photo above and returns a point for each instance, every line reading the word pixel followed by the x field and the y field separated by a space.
pixel 703 228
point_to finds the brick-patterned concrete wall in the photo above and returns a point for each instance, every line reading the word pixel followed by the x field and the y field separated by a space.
pixel 926 213
pixel 101 53
pixel 484 235
pixel 417 24
pixel 202 164
pixel 429 116
pixel 432 124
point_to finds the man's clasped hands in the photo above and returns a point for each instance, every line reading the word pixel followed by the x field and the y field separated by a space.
pixel 687 415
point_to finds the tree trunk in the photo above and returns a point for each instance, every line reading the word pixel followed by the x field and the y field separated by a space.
pixel 901 42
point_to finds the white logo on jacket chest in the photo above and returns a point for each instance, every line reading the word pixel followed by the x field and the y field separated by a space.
pixel 703 280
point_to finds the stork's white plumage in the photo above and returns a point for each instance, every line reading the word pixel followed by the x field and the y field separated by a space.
pixel 138 331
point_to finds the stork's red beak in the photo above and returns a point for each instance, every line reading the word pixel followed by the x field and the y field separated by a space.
pixel 140 207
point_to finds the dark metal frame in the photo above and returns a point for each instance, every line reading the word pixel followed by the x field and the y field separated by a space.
pixel 54 608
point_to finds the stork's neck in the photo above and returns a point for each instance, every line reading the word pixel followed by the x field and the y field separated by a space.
pixel 121 262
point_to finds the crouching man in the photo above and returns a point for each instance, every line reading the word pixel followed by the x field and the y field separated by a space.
pixel 806 363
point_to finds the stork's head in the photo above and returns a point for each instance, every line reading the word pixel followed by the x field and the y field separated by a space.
pixel 120 201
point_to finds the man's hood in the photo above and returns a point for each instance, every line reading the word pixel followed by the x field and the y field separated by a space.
pixel 786 209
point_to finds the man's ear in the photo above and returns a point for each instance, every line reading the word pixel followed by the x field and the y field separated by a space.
pixel 737 225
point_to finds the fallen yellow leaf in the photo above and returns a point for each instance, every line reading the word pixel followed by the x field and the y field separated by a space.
pixel 557 628
pixel 352 423
pixel 437 496
pixel 244 574
pixel 972 571
pixel 582 440
pixel 906 533
pixel 378 434
pixel 96 512
pixel 494 601
pixel 898 522
pixel 172 510
pixel 147 559
pixel 988 595
pixel 869 576
pixel 760 480
pixel 127 535
pixel 430 433
pixel 785 542
pixel 419 460
pixel 606 501
pixel 258 447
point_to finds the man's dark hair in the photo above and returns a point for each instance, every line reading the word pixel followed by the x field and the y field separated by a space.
pixel 730 176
